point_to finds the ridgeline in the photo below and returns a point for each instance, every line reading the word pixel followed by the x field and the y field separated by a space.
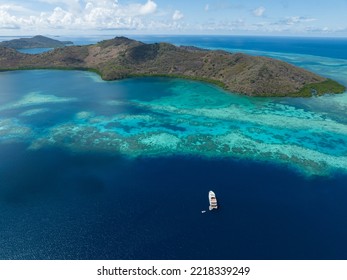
pixel 121 58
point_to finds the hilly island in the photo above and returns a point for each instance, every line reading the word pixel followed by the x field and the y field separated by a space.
pixel 121 58
pixel 34 42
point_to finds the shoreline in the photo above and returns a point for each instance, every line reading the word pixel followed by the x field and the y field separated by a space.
pixel 328 86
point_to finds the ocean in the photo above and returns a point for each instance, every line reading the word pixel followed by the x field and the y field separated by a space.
pixel 121 170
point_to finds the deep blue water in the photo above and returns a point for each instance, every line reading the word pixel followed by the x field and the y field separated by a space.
pixel 61 206
pixel 61 203
pixel 329 47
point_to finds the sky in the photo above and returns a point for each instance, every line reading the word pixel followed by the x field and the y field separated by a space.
pixel 220 17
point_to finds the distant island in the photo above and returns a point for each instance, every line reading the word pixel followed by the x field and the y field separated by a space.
pixel 35 42
pixel 121 58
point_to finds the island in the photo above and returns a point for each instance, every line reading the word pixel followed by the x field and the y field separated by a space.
pixel 122 57
pixel 34 42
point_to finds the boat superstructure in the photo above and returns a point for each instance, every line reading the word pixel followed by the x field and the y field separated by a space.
pixel 213 200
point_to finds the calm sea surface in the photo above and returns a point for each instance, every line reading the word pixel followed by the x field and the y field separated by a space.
pixel 121 170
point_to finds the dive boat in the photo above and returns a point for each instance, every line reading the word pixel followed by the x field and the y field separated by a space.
pixel 213 200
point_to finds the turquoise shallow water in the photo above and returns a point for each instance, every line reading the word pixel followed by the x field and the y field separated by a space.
pixel 155 117
pixel 35 51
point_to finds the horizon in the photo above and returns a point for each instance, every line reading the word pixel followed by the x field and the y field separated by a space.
pixel 162 17
pixel 294 36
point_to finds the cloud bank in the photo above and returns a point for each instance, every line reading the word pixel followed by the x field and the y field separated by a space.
pixel 153 16
pixel 79 15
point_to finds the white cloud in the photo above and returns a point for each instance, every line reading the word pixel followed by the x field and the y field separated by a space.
pixel 233 25
pixel 7 21
pixel 60 18
pixel 148 8
pixel 297 20
pixel 177 15
pixel 207 7
pixel 259 12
